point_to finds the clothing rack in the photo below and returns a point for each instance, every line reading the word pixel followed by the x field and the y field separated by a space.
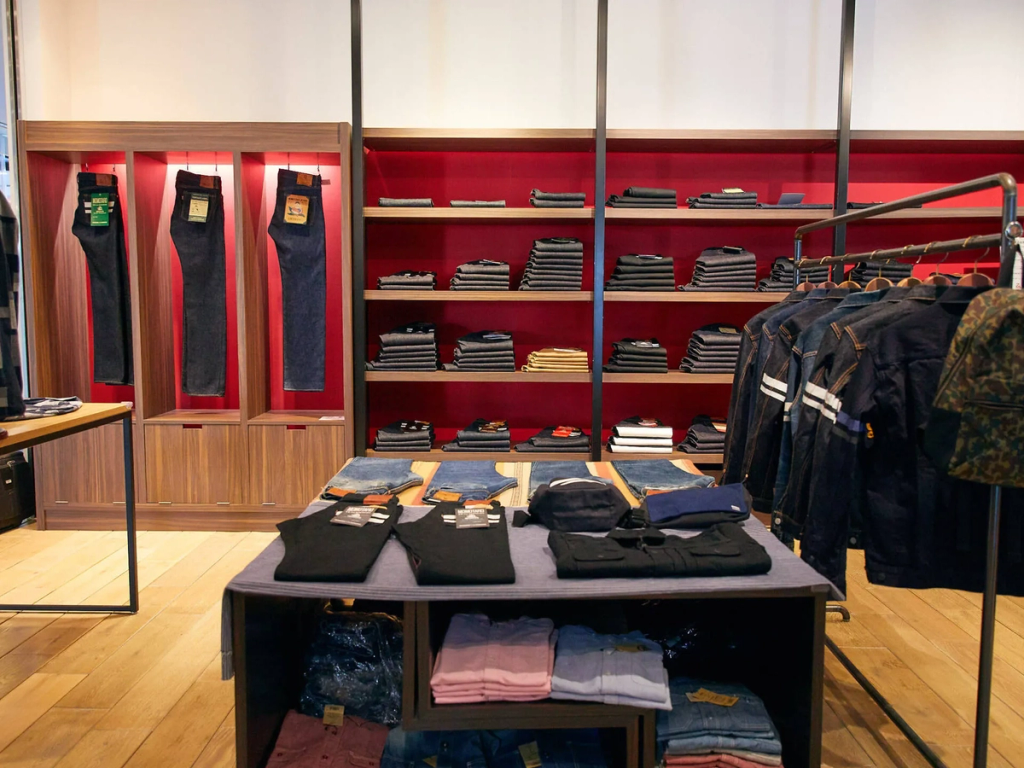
pixel 1006 241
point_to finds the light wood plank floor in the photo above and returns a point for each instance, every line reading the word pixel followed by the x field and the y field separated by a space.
pixel 145 690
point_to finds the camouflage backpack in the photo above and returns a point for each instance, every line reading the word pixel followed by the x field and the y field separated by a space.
pixel 976 427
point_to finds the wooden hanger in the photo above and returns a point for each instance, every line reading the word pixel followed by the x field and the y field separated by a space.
pixel 910 282
pixel 829 282
pixel 935 278
pixel 805 286
pixel 851 285
pixel 977 279
pixel 878 283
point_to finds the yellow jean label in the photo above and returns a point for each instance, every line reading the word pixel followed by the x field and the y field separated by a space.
pixel 296 209
pixel 334 714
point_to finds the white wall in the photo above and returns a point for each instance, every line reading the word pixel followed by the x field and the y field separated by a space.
pixel 523 63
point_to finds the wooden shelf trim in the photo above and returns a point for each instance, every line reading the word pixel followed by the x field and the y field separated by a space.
pixel 334 418
pixel 183 416
pixel 445 213
pixel 436 454
pixel 510 295
pixel 701 140
pixel 518 377
pixel 695 297
pixel 672 377
pixel 479 139
pixel 763 215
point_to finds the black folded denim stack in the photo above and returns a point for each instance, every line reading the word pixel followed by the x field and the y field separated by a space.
pixel 484 351
pixel 713 349
pixel 705 435
pixel 481 436
pixel 404 436
pixel 894 270
pixel 637 356
pixel 781 278
pixel 411 347
pixel 408 280
pixel 557 440
pixel 540 199
pixel 644 197
pixel 725 268
pixel 405 202
pixel 477 203
pixel 555 264
pixel 481 275
pixel 723 200
pixel 642 272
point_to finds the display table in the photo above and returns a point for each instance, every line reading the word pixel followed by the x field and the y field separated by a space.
pixel 266 626
pixel 30 432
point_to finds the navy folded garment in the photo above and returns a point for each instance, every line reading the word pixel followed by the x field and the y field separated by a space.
pixel 698 507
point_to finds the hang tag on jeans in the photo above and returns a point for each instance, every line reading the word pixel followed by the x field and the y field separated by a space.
pixel 471 518
pixel 357 517
pixel 1017 279
pixel 531 755
pixel 99 211
pixel 631 648
pixel 198 208
pixel 710 697
pixel 296 209
pixel 334 714
pixel 304 179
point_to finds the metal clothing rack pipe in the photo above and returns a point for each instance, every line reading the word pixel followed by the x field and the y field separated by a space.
pixel 1006 240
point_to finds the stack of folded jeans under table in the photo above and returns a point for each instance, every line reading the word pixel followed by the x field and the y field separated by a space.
pixel 865 272
pixel 481 436
pixel 637 356
pixel 713 349
pixel 725 268
pixel 716 725
pixel 411 347
pixel 638 434
pixel 557 359
pixel 555 264
pixel 705 435
pixel 718 200
pixel 564 439
pixel 642 272
pixel 481 275
pixel 408 280
pixel 405 436
pixel 644 197
pixel 781 278
pixel 540 199
pixel 484 351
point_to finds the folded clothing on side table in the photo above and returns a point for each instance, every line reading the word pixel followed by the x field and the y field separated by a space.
pixel 410 347
pixel 481 275
pixel 705 435
pixel 555 264
pixel 712 349
pixel 405 202
pixel 561 439
pixel 642 272
pixel 481 436
pixel 405 436
pixel 644 197
pixel 638 434
pixel 540 199
pixel 484 351
pixel 564 359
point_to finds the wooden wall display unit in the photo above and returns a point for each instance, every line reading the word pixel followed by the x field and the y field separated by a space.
pixel 246 459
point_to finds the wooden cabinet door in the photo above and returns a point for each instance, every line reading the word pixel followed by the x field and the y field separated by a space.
pixel 85 468
pixel 195 463
pixel 290 464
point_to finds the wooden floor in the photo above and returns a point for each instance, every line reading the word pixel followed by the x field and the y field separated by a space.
pixel 145 690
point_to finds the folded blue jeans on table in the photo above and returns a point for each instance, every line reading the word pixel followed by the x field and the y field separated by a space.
pixel 366 474
pixel 451 749
pixel 690 721
pixel 472 480
pixel 657 474
pixel 542 472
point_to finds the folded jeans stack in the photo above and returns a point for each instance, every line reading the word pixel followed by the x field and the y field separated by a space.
pixel 640 435
pixel 723 199
pixel 781 278
pixel 404 436
pixel 478 203
pixel 637 356
pixel 540 199
pixel 555 264
pixel 644 197
pixel 482 436
pixel 564 359
pixel 481 660
pixel 481 275
pixel 705 435
pixel 408 280
pixel 645 475
pixel 484 351
pixel 725 268
pixel 894 270
pixel 562 439
pixel 642 272
pixel 699 730
pixel 405 202
pixel 713 349
pixel 626 670
pixel 411 347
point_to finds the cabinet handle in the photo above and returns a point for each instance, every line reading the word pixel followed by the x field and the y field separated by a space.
pixel 296 426
pixel 269 504
pixel 56 501
pixel 223 503
pixel 163 502
pixel 120 502
pixel 191 426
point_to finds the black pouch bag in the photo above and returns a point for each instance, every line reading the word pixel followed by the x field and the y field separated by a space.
pixel 576 504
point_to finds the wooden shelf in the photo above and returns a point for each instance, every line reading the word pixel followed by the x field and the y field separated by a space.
pixel 672 377
pixel 436 454
pixel 510 295
pixel 300 417
pixel 480 139
pixel 699 459
pixel 518 377
pixel 770 215
pixel 182 416
pixel 940 142
pixel 445 213
pixel 695 297
pixel 641 140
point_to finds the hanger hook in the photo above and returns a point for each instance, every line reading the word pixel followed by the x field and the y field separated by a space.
pixel 216 163
pixel 317 163
pixel 289 161
pixel 980 258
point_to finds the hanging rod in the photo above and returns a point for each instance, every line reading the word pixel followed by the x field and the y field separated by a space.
pixel 890 254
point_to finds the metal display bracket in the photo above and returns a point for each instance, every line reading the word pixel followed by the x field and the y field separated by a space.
pixel 1006 240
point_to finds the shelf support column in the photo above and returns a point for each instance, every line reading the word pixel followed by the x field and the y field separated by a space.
pixel 843 126
pixel 600 182
pixel 360 406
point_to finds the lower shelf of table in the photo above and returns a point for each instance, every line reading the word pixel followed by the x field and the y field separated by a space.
pixel 700 459
pixel 537 714
pixel 436 454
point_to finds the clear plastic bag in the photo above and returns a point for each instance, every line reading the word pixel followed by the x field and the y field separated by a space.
pixel 355 660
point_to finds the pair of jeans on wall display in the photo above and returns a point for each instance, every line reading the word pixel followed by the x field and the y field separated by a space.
pixel 197 230
pixel 297 229
pixel 99 227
